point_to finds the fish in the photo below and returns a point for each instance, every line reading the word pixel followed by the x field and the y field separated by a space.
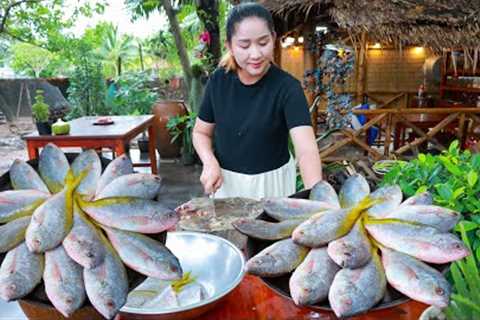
pixel 265 230
pixel 190 294
pixel 326 226
pixel 83 243
pixel 139 185
pixel 390 198
pixel 352 250
pixel 354 291
pixel 16 204
pixel 145 255
pixel 424 198
pixel 23 176
pixel 323 191
pixel 87 162
pixel 353 190
pixel 53 167
pixel 420 241
pixel 51 222
pixel 63 279
pixel 311 280
pixel 415 279
pixel 277 259
pixel 167 299
pixel 107 285
pixel 20 272
pixel 131 214
pixel 138 298
pixel 120 166
pixel 290 208
pixel 13 233
pixel 434 216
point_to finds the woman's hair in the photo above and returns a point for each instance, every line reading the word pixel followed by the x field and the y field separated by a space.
pixel 237 15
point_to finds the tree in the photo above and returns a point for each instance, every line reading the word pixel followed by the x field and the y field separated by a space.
pixel 38 21
pixel 29 59
pixel 115 49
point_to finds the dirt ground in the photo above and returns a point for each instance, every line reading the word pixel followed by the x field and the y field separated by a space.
pixel 11 144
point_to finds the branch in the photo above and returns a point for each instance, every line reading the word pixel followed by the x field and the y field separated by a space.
pixel 9 8
pixel 24 40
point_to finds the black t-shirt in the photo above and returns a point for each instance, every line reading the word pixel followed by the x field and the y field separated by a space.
pixel 252 122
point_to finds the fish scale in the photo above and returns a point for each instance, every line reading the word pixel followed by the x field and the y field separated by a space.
pixel 23 176
pixel 118 167
pixel 53 167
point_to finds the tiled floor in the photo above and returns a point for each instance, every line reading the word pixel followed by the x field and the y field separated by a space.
pixel 180 184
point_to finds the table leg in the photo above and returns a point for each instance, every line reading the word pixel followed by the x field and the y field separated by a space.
pixel 151 148
pixel 32 151
pixel 119 148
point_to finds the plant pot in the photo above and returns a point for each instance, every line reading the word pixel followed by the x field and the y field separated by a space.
pixel 44 128
pixel 143 145
pixel 188 158
pixel 163 110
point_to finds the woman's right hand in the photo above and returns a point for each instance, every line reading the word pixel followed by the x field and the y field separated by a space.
pixel 211 178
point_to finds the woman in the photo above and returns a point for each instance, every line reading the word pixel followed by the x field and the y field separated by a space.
pixel 249 109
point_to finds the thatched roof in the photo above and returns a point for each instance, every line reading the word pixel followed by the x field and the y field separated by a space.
pixel 436 24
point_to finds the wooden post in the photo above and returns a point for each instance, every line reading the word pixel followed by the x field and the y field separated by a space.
pixel 362 68
pixel 309 63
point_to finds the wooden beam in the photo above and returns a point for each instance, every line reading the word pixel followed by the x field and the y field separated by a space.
pixel 421 133
pixel 334 147
pixel 390 101
pixel 362 144
pixel 442 124
pixel 362 67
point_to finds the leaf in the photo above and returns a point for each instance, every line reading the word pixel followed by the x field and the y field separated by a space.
pixel 472 178
pixel 453 147
pixel 457 193
pixel 445 191
pixel 466 225
pixel 422 158
pixel 422 189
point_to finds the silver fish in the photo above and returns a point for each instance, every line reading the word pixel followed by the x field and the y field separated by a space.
pixel 441 218
pixel 107 285
pixel 311 280
pixel 53 167
pixel 415 279
pixel 353 190
pixel 15 204
pixel 354 291
pixel 277 259
pixel 260 229
pixel 13 233
pixel 20 272
pixel 422 242
pixel 323 191
pixel 83 243
pixel 51 222
pixel 131 214
pixel 63 280
pixel 23 176
pixel 145 255
pixel 424 198
pixel 139 185
pixel 390 198
pixel 118 167
pixel 289 208
pixel 352 250
pixel 87 162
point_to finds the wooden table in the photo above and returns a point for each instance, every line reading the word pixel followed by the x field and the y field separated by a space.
pixel 83 133
pixel 253 300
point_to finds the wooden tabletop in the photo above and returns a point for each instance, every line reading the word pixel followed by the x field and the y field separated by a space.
pixel 84 128
pixel 253 300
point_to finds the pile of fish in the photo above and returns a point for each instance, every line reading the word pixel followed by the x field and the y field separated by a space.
pixel 346 247
pixel 75 228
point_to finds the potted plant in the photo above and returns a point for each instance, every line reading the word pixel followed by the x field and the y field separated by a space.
pixel 41 113
pixel 182 126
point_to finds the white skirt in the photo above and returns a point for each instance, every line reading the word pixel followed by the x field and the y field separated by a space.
pixel 280 182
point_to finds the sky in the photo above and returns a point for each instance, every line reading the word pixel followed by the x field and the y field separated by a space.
pixel 116 13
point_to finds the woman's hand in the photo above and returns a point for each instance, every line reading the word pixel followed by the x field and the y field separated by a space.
pixel 211 178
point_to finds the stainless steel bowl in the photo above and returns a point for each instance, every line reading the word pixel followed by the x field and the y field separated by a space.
pixel 217 265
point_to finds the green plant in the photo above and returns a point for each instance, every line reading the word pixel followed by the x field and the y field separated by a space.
pixel 182 126
pixel 451 177
pixel 87 89
pixel 40 110
pixel 131 94
pixel 465 299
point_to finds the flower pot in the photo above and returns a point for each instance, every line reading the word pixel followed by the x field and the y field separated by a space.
pixel 143 145
pixel 188 158
pixel 44 128
pixel 164 110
